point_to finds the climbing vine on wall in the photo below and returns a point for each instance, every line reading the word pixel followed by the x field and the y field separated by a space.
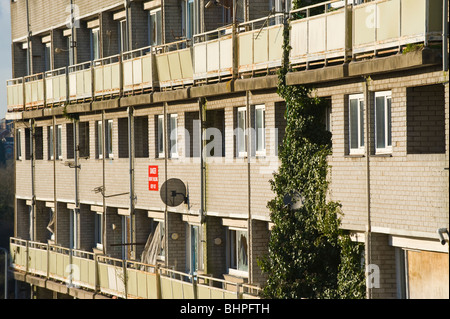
pixel 310 256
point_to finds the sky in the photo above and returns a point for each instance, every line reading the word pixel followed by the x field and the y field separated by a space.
pixel 5 52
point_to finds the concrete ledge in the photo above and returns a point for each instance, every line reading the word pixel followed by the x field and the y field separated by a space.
pixel 78 108
pixel 261 83
pixel 181 94
pixel 394 63
pixel 135 100
pixel 33 114
pixel 36 281
pixel 318 75
pixel 54 111
pixel 105 104
pixel 14 116
pixel 212 89
pixel 58 287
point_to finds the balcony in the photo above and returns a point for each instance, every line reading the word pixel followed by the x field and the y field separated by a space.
pixel 116 277
pixel 321 34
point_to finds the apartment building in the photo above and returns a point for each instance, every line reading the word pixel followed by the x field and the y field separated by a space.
pixel 118 194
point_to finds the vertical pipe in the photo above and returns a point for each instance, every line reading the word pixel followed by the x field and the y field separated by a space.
pixel 202 115
pixel 33 196
pixel 104 186
pixel 445 35
pixel 166 152
pixel 28 41
pixel 6 271
pixel 368 150
pixel 131 176
pixel 249 136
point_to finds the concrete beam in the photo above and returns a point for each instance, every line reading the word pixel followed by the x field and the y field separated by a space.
pixel 212 89
pixel 105 104
pixel 136 100
pixel 168 96
pixel 261 83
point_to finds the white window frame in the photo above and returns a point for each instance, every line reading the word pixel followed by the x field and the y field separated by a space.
pixel 241 133
pixel 98 230
pixel 387 149
pixel 157 14
pixel 123 36
pixel 18 144
pixel 262 151
pixel 99 136
pixel 173 139
pixel 109 132
pixel 160 138
pixel 95 34
pixel 360 129
pixel 58 143
pixel 51 143
pixel 74 221
pixel 48 56
pixel 233 252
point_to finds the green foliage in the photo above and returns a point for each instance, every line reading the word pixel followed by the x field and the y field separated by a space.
pixel 310 256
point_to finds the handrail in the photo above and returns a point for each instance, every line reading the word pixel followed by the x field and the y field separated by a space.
pixel 125 265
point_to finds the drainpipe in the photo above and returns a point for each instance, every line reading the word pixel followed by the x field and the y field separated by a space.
pixel 33 195
pixel 166 153
pixel 444 35
pixel 28 40
pixel 104 187
pixel 368 235
pixel 202 116
pixel 127 24
pixel 6 271
pixel 249 156
pixel 131 173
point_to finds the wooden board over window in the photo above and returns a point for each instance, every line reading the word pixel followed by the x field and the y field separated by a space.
pixel 428 276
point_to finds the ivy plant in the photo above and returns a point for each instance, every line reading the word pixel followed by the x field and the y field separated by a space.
pixel 309 256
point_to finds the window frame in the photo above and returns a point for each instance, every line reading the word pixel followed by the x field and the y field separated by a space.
pixel 58 141
pixel 98 230
pixel 160 145
pixel 387 121
pixel 173 146
pixel 109 145
pixel 18 143
pixel 157 14
pixel 99 138
pixel 360 121
pixel 233 252
pixel 260 152
pixel 241 133
pixel 51 143
pixel 95 43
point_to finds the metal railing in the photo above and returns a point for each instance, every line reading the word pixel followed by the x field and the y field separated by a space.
pixel 328 31
pixel 117 277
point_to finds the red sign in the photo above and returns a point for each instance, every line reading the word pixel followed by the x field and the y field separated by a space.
pixel 153 178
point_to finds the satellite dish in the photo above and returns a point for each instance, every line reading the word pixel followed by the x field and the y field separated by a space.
pixel 173 192
pixel 293 200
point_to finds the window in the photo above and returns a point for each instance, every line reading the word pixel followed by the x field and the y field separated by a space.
pixel 155 29
pixel 190 18
pixel 83 139
pixel 383 133
pixel 48 56
pixel 58 141
pixel 173 135
pixel 241 142
pixel 109 139
pixel 356 124
pixel 69 141
pixel 19 144
pixel 74 221
pixel 99 139
pixel 160 141
pixel 238 251
pixel 141 136
pixel 95 44
pixel 122 126
pixel 38 143
pixel 70 44
pixel 194 249
pixel 123 36
pixel 260 127
pixel 50 139
pixel 99 230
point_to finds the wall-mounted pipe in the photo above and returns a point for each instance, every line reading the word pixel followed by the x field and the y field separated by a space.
pixel 445 35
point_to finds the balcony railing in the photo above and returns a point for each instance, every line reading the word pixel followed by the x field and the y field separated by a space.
pixel 213 55
pixel 320 33
pixel 117 277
